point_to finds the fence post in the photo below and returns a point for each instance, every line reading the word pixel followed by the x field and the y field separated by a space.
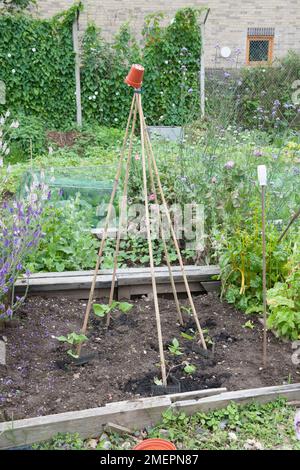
pixel 202 64
pixel 77 69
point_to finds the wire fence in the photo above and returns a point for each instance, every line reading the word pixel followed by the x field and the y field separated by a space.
pixel 265 97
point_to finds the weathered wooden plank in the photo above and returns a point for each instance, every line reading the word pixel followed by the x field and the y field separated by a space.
pixel 134 414
pixel 209 270
pixel 174 397
pixel 88 423
pixel 77 284
pixel 129 291
pixel 260 395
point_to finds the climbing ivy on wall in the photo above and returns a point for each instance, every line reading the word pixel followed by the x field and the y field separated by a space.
pixel 37 66
pixel 171 58
pixel 172 61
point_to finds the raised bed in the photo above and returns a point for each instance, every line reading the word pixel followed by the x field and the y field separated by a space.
pixel 129 282
pixel 134 414
pixel 36 381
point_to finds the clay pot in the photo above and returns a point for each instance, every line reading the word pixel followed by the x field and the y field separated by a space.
pixel 155 444
pixel 135 76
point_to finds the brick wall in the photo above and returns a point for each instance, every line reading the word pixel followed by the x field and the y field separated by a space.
pixel 227 22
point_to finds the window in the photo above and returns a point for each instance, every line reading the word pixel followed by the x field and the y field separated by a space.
pixel 260 45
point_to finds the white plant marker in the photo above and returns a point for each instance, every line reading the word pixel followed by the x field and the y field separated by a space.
pixel 2 353
pixel 262 179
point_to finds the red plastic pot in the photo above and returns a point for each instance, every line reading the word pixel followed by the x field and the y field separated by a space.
pixel 155 444
pixel 135 76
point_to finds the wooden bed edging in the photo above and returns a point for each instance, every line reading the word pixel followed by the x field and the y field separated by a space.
pixel 129 282
pixel 134 414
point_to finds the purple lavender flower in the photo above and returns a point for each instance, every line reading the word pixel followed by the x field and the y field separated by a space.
pixel 258 153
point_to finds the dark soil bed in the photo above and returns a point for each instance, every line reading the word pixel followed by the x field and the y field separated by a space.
pixel 34 381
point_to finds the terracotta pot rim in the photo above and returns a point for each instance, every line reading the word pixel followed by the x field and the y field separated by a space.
pixel 155 444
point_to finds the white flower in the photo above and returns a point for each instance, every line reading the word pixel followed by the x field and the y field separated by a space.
pixel 116 119
pixel 7 114
pixel 166 62
pixel 7 151
pixel 90 97
pixel 9 55
pixel 50 150
pixel 94 97
pixel 15 125
pixel 13 71
pixel 33 49
pixel 96 93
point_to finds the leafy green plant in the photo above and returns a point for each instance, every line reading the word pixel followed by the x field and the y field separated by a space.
pixel 67 243
pixel 37 65
pixel 284 300
pixel 190 369
pixel 249 324
pixel 101 310
pixel 174 348
pixel 74 339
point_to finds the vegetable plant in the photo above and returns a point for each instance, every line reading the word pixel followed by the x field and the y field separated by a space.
pixel 73 339
pixel 174 348
pixel 101 310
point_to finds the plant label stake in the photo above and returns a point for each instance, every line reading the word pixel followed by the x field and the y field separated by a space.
pixel 262 179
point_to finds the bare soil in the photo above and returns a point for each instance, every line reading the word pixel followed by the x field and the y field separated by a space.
pixel 37 380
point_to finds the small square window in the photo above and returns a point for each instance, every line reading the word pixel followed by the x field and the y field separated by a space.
pixel 259 49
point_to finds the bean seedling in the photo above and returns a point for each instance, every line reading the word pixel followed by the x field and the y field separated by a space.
pixel 189 368
pixel 174 348
pixel 73 339
pixel 101 310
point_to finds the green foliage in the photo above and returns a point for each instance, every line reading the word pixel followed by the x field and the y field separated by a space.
pixel 17 4
pixel 29 138
pixel 174 348
pixel 172 62
pixel 37 65
pixel 190 369
pixel 241 264
pixel 101 310
pixel 171 59
pixel 67 244
pixel 73 339
pixel 284 300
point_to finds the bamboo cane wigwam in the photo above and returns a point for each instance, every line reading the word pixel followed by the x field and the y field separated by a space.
pixel 148 162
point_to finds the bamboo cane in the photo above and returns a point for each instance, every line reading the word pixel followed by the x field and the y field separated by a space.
pixel 174 237
pixel 263 207
pixel 179 314
pixel 156 306
pixel 124 196
pixel 100 252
